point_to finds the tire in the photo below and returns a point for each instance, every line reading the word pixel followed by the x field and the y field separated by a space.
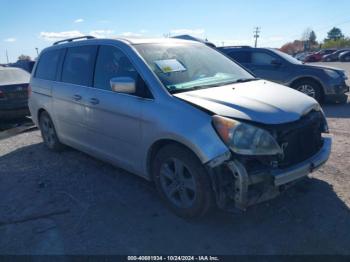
pixel 48 133
pixel 310 88
pixel 182 181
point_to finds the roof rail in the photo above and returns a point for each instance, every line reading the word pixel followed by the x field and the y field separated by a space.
pixel 74 38
pixel 237 46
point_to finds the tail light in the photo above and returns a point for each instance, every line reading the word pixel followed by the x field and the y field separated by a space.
pixel 29 90
pixel 2 95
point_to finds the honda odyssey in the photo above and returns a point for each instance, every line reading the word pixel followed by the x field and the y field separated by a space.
pixel 180 114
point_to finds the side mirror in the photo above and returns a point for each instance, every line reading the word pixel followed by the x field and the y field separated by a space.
pixel 276 62
pixel 126 85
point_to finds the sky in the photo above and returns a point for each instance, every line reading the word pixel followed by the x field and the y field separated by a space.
pixel 26 25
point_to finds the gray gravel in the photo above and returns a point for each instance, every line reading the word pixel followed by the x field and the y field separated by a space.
pixel 109 211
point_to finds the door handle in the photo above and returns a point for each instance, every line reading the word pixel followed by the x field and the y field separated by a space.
pixel 94 101
pixel 77 97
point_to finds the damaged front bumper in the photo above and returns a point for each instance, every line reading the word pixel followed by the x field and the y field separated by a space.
pixel 235 188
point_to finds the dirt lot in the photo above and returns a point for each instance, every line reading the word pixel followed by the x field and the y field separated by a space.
pixel 70 203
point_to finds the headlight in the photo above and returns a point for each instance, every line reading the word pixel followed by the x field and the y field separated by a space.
pixel 331 73
pixel 245 139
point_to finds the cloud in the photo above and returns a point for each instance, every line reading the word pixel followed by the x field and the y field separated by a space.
pixel 187 32
pixel 54 36
pixel 10 40
pixel 131 34
pixel 102 33
pixel 79 20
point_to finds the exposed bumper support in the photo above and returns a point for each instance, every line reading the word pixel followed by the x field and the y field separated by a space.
pixel 231 182
pixel 284 176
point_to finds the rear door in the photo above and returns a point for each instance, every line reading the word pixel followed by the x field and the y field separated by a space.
pixel 114 124
pixel 70 94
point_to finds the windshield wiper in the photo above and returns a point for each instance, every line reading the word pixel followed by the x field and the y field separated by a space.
pixel 192 88
pixel 244 80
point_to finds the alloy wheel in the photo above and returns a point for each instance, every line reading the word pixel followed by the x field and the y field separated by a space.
pixel 178 183
pixel 48 131
pixel 307 90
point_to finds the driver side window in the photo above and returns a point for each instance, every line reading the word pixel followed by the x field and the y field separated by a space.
pixel 261 58
pixel 112 62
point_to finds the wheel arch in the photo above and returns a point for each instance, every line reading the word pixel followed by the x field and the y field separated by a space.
pixel 159 144
pixel 308 78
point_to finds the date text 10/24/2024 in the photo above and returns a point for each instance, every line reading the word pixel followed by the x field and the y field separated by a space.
pixel 173 258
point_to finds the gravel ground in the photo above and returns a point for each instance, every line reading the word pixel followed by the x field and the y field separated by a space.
pixel 70 203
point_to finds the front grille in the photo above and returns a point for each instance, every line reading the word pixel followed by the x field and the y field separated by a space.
pixel 301 139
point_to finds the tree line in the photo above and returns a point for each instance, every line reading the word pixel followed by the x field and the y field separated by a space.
pixel 308 42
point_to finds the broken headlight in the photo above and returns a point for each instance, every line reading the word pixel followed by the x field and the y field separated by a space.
pixel 245 139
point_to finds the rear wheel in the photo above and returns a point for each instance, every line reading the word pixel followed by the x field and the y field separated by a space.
pixel 310 88
pixel 48 132
pixel 182 181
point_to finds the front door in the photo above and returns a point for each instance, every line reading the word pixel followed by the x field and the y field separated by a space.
pixel 268 66
pixel 113 119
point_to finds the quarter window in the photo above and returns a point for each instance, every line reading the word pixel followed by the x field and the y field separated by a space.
pixel 78 66
pixel 47 65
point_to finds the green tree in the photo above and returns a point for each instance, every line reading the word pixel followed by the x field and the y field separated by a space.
pixel 335 34
pixel 312 37
pixel 339 43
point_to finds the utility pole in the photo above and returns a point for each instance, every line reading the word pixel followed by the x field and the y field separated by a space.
pixel 37 51
pixel 7 56
pixel 256 35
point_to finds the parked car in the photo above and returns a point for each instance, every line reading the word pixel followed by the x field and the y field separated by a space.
pixel 317 56
pixel 345 56
pixel 24 64
pixel 333 56
pixel 301 56
pixel 319 82
pixel 13 93
pixel 180 114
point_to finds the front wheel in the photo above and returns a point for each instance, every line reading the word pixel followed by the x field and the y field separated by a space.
pixel 310 88
pixel 182 181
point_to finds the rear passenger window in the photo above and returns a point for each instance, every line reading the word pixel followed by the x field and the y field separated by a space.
pixel 240 56
pixel 111 62
pixel 47 65
pixel 78 65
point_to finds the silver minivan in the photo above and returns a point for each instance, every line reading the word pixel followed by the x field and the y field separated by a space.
pixel 181 114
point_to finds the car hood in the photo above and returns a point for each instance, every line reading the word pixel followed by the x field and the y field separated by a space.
pixel 259 101
pixel 308 66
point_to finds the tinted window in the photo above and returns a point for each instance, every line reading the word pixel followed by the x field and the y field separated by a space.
pixel 78 65
pixel 240 56
pixel 111 62
pixel 260 58
pixel 47 65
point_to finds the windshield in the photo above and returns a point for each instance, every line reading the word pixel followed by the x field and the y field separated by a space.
pixel 287 57
pixel 11 76
pixel 183 67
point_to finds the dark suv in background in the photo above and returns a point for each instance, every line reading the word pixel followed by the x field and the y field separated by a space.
pixel 319 82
